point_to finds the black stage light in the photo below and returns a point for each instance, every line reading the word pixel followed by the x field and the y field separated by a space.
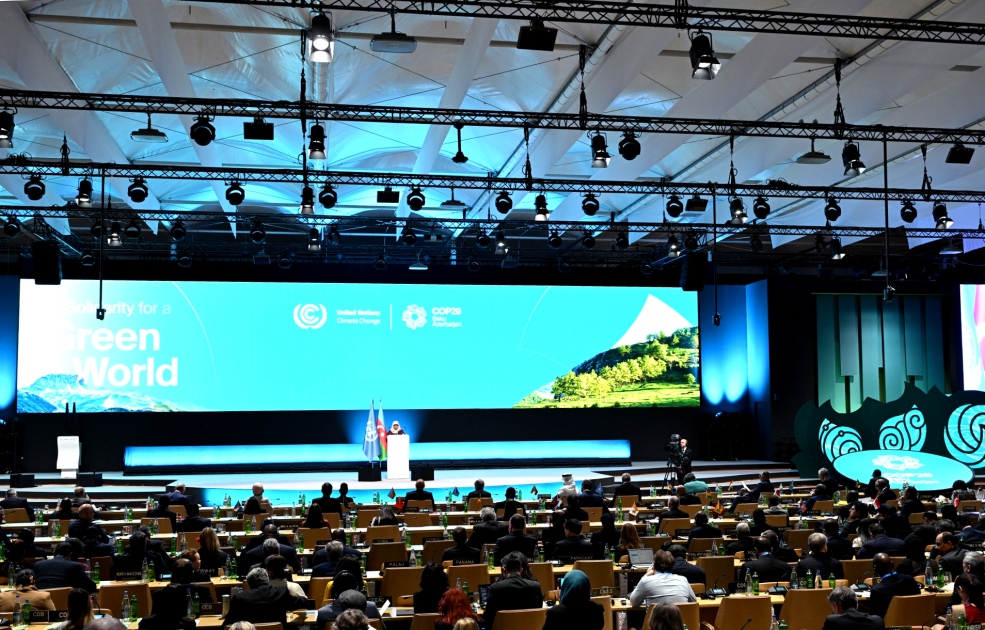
pixel 761 208
pixel 629 146
pixel 321 39
pixel 600 150
pixel 696 204
pixel 333 236
pixel 959 154
pixel 388 195
pixel 132 230
pixel 942 221
pixel 908 212
pixel 6 130
pixel 316 147
pixel 481 239
pixel 674 206
pixel 540 204
pixel 407 236
pixel 646 268
pixel 202 131
pixel 690 241
pixel 672 243
pixel 820 247
pixel 836 252
pixel 113 238
pixel 149 135
pixel 258 130
pixel 832 211
pixel 96 229
pixel 11 227
pixel 590 205
pixel 588 241
pixel 851 157
pixel 34 188
pixel 415 200
pixel 393 41
pixel 563 266
pixel 184 259
pixel 84 198
pixel 314 240
pixel 756 244
pixel 235 193
pixel 503 202
pixel 622 241
pixel 473 264
pixel 178 231
pixel 328 197
pixel 500 240
pixel 738 210
pixel 380 262
pixel 138 190
pixel 257 233
pixel 704 64
pixel 554 240
pixel 285 261
pixel 88 259
pixel 307 205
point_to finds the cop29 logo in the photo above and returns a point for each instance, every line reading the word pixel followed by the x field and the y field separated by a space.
pixel 415 317
pixel 897 462
pixel 310 316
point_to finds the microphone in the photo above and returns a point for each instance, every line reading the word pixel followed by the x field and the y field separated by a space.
pixel 859 586
pixel 748 621
pixel 715 591
pixel 929 623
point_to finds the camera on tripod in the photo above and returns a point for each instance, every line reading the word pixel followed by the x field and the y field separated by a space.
pixel 674 450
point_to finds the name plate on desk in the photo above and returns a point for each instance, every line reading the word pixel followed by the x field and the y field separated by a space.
pixel 545 497
pixel 411 509
pixel 380 601
pixel 428 539
pixel 969 508
pixel 394 563
pixel 682 533
pixel 48 616
pixel 607 591
pixel 322 543
pixel 126 576
pixel 782 528
pixel 811 513
pixel 729 531
pixel 211 608
pixel 699 554
pixel 581 557
pixel 457 562
pixel 383 540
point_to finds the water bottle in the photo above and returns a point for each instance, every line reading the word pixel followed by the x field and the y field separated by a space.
pixel 17 609
pixel 808 582
pixel 491 560
pixel 458 583
pixel 196 606
pixel 151 576
pixel 783 624
pixel 188 603
pixel 133 608
pixel 541 556
pixel 775 625
pixel 12 574
pixel 125 607
pixel 793 578
pixel 755 584
pixel 143 571
pixel 413 558
pixel 232 568
pixel 714 547
pixel 949 620
pixel 155 529
pixel 928 579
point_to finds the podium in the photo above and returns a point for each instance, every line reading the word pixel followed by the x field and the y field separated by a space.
pixel 398 457
pixel 69 455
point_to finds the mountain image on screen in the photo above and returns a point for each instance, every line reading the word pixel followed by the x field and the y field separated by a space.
pixel 50 393
pixel 658 372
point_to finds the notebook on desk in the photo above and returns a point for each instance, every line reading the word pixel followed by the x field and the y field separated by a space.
pixel 641 558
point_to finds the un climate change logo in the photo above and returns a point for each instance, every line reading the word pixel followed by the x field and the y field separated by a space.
pixel 310 315
pixel 415 316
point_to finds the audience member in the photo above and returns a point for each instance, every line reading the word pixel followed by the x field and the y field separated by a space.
pixel 786 554
pixel 573 510
pixel 685 498
pixel 60 571
pixel 573 547
pixel 77 528
pixel 278 575
pixel 328 504
pixel 830 483
pixel 567 489
pixel 461 553
pixel 163 510
pixel 885 494
pixel 949 554
pixel 13 502
pixel 702 529
pixel 879 542
pixel 692 573
pixel 181 582
pixel 666 617
pixel 488 531
pixel 333 553
pixel 178 497
pixel 419 494
pixel 94 547
pixel 820 494
pixel 891 584
pixel 270 546
pixel 169 611
pixel 64 512
pixel 608 535
pixel 509 507
pixel 314 518
pixel 743 542
pixel 768 567
pixel 626 489
pixel 968 534
pixel 434 584
pixel 751 495
pixel 28 548
pixel 263 603
pixel 820 562
pixel 512 591
pixel 264 502
pixel 352 619
pixel 454 608
pixel 79 497
pixel 386 517
pixel 915 560
pixel 856 514
pixel 129 565
pixel 629 538
pixel 197 574
pixel 553 534
pixel 28 592
pixel 515 540
pixel 79 611
pixel 910 504
pixel 590 498
pixel 575 609
pixel 774 508
pixel 673 510
pixel 870 488
pixel 970 589
pixel 693 485
pixel 759 524
pixel 194 521
pixel 479 492
pixel 212 558
pixel 839 548
pixel 660 585
pixel 845 614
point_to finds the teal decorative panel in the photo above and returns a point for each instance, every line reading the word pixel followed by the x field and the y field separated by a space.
pixel 826 349
pixel 934 334
pixel 892 350
pixel 848 335
pixel 913 335
pixel 871 349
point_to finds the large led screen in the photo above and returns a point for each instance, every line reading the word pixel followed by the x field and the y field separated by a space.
pixel 973 335
pixel 199 346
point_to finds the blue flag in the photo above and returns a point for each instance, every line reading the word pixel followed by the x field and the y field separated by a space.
pixel 371 441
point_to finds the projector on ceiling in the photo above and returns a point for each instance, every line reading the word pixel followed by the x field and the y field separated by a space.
pixel 393 42
pixel 536 37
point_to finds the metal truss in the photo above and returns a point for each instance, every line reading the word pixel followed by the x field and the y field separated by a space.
pixel 679 17
pixel 22 165
pixel 245 108
pixel 348 226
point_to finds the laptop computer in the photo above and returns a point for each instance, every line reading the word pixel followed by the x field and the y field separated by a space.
pixel 641 558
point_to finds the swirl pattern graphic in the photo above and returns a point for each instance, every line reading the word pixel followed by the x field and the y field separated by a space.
pixel 907 432
pixel 965 435
pixel 837 441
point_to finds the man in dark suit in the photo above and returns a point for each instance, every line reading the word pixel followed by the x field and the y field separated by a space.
pixel 879 542
pixel 77 529
pixel 685 498
pixel 968 534
pixel 626 489
pixel 896 526
pixel 337 535
pixel 767 566
pixel 743 541
pixel 333 553
pixel 181 579
pixel 516 540
pixel 94 546
pixel 163 510
pixel 573 547
pixel 488 531
pixel 844 605
pixel 13 502
pixel 673 510
pixel 269 531
pixel 752 494
pixel 830 483
pixel 178 497
pixel 590 498
pixel 949 554
pixel 271 546
pixel 479 492
pixel 419 494
pixel 194 522
pixel 857 513
pixel 512 591
pixel 687 458
pixel 262 603
pixel 702 529
pixel 574 511
pixel 79 497
pixel 820 562
pixel 461 553
pixel 129 565
pixel 326 502
pixel 820 494
pixel 839 548
pixel 885 493
pixel 60 571
pixel 785 554
pixel 870 488
pixel 892 585
pixel 693 574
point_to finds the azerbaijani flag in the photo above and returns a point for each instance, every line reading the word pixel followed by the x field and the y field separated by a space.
pixel 381 431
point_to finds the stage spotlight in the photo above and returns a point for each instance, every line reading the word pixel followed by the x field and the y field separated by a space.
pixel 88 259
pixel 836 251
pixel 316 147
pixel 96 230
pixel 738 210
pixel 500 240
pixel 407 236
pixel 11 227
pixel 388 195
pixel 235 193
pixel 540 203
pixel 761 208
pixel 563 266
pixel 941 219
pixel 958 154
pixel 832 211
pixel 646 268
pixel 554 240
pixel 690 241
pixel 629 146
pixel 257 233
pixel 415 200
pixel 851 157
pixel 184 259
pixel 672 243
pixel 622 241
pixel 6 130
pixel 132 230
pixel 138 190
pixel 34 188
pixel 202 131
pixel 600 152
pixel 84 198
pixel 704 64
pixel 482 239
pixel 590 205
pixel 820 247
pixel 503 202
pixel 113 238
pixel 333 236
pixel 908 212
pixel 473 264
pixel 756 243
pixel 328 197
pixel 178 231
pixel 314 240
pixel 674 206
pixel 952 249
pixel 321 39
pixel 285 261
pixel 696 204
pixel 380 262
pixel 588 241
pixel 307 201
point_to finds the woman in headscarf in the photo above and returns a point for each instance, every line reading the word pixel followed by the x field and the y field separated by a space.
pixel 395 429
pixel 575 610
